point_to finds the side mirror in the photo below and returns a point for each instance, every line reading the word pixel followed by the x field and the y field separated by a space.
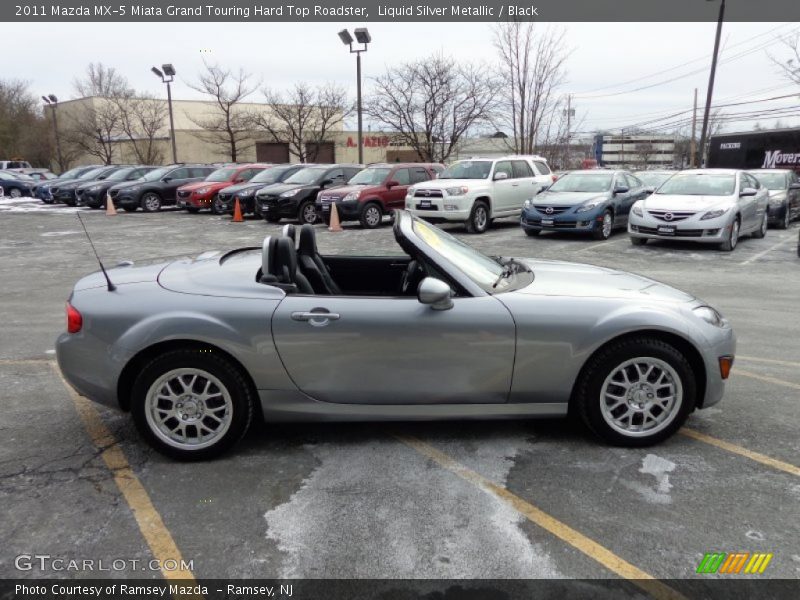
pixel 167 179
pixel 748 191
pixel 435 293
pixel 239 180
pixel 500 176
pixel 794 186
pixel 649 189
pixel 392 183
pixel 621 189
pixel 326 182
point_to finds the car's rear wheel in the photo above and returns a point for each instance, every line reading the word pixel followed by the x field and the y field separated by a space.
pixel 371 216
pixel 307 213
pixel 478 221
pixel 533 232
pixel 762 228
pixel 636 392
pixel 602 230
pixel 191 404
pixel 151 202
pixel 733 237
pixel 638 241
pixel 15 193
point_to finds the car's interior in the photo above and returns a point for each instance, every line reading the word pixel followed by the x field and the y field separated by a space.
pixel 293 263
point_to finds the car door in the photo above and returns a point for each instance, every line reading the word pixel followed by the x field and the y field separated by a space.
pixel 396 197
pixel 793 195
pixel 635 192
pixel 504 190
pixel 761 204
pixel 173 181
pixel 747 204
pixel 527 185
pixel 379 350
pixel 544 176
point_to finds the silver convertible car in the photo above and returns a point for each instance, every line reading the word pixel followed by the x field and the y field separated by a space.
pixel 195 348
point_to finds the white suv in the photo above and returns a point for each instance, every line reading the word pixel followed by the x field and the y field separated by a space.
pixel 477 190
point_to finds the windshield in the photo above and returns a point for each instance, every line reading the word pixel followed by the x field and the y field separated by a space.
pixel 93 174
pixel 270 175
pixel 72 173
pixel 699 184
pixel 652 179
pixel 483 270
pixel 307 175
pixel 221 175
pixel 583 182
pixel 120 175
pixel 370 177
pixel 7 176
pixel 467 169
pixel 771 181
pixel 156 174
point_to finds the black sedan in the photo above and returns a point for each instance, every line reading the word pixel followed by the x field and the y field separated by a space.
pixel 296 197
pixel 784 195
pixel 157 188
pixel 93 193
pixel 16 185
pixel 246 192
pixel 43 190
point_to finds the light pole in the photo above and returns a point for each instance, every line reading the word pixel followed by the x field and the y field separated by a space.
pixel 711 76
pixel 362 37
pixel 167 76
pixel 51 101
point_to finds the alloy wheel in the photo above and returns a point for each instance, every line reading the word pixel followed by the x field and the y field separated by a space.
pixel 734 233
pixel 14 193
pixel 372 216
pixel 481 218
pixel 607 224
pixel 309 214
pixel 152 203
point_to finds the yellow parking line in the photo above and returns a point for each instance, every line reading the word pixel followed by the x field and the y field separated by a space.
pixel 751 375
pixel 574 538
pixel 741 451
pixel 151 525
pixel 770 361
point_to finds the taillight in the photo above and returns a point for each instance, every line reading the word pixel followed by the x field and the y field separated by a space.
pixel 554 177
pixel 74 319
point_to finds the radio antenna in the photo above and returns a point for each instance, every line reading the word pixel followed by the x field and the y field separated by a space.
pixel 111 286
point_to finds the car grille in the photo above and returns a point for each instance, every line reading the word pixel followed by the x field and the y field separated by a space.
pixel 224 196
pixel 555 224
pixel 184 194
pixel 553 210
pixel 113 193
pixel 267 200
pixel 327 199
pixel 671 216
pixel 423 193
pixel 678 232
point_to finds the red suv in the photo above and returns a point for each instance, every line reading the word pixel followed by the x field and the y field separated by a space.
pixel 374 192
pixel 197 195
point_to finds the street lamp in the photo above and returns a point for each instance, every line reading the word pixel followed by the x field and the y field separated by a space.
pixel 362 37
pixel 167 75
pixel 711 76
pixel 51 101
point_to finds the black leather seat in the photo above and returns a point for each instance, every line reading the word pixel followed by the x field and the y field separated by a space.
pixel 289 231
pixel 312 265
pixel 289 277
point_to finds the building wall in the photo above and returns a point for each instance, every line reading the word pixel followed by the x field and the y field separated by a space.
pixel 635 151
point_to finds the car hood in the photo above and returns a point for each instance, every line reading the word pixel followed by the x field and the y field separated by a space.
pixel 127 184
pixel 278 188
pixel 777 194
pixel 88 184
pixel 343 190
pixel 678 202
pixel 559 278
pixel 235 189
pixel 567 198
pixel 214 185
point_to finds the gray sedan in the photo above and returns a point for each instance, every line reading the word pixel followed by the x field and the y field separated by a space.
pixel 195 348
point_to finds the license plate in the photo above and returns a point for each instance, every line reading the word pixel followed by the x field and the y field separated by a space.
pixel 326 207
pixel 666 229
pixel 424 203
pixel 547 222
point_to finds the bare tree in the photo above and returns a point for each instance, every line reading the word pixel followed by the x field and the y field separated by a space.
pixel 645 152
pixel 533 67
pixel 790 67
pixel 304 117
pixel 228 125
pixel 432 103
pixel 554 139
pixel 92 128
pixel 100 80
pixel 24 131
pixel 142 123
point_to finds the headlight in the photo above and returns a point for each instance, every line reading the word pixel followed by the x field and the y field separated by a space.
pixel 244 193
pixel 350 197
pixel 710 316
pixel 132 189
pixel 457 191
pixel 587 207
pixel 202 190
pixel 94 188
pixel 713 214
pixel 410 192
pixel 527 203
pixel 637 210
pixel 290 193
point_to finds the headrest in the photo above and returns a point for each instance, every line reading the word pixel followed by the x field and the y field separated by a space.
pixel 268 259
pixel 285 260
pixel 308 241
pixel 288 231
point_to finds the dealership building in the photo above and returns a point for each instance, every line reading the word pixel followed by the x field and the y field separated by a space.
pixel 635 151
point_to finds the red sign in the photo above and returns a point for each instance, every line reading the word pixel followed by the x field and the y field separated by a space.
pixel 370 141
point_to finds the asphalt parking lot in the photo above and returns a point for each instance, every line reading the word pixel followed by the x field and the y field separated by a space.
pixel 538 499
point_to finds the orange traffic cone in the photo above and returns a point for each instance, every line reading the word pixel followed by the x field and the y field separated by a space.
pixel 237 212
pixel 110 208
pixel 334 224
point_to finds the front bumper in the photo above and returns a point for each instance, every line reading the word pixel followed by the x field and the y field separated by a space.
pixel 776 212
pixel 449 208
pixel 567 220
pixel 723 344
pixel 192 200
pixel 349 210
pixel 276 206
pixel 66 196
pixel 124 198
pixel 709 231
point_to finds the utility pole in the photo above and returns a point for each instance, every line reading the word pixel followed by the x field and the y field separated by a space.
pixel 692 143
pixel 570 113
pixel 712 74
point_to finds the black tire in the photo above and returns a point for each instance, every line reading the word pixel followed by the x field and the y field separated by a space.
pixel 601 231
pixel 587 400
pixel 217 207
pixel 272 218
pixel 762 228
pixel 130 208
pixel 305 214
pixel 733 237
pixel 151 202
pixel 478 221
pixel 231 379
pixel 371 215
pixel 533 232
pixel 638 241
pixel 787 218
pixel 15 193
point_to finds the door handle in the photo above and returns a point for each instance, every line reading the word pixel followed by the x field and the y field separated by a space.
pixel 315 316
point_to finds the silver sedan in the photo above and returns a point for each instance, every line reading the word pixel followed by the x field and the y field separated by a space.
pixel 710 206
pixel 195 348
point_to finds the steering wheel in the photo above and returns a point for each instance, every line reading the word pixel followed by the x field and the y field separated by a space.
pixel 412 273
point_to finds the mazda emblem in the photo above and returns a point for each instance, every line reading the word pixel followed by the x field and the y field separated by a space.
pixel 668 216
pixel 549 210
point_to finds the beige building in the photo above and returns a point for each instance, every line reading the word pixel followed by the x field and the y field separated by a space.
pixel 94 122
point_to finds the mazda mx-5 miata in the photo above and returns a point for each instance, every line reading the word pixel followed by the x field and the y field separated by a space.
pixel 194 348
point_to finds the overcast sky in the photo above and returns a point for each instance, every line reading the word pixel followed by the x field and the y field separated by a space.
pixel 617 57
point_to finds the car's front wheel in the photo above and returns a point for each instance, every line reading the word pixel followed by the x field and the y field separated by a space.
pixel 307 213
pixel 371 216
pixel 787 218
pixel 602 229
pixel 191 404
pixel 762 228
pixel 478 221
pixel 151 202
pixel 636 392
pixel 217 205
pixel 15 193
pixel 733 237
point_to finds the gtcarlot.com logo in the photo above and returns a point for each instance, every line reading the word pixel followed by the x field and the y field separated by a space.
pixel 46 562
pixel 735 563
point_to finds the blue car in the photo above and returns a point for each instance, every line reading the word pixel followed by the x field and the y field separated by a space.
pixel 16 185
pixel 41 190
pixel 592 202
